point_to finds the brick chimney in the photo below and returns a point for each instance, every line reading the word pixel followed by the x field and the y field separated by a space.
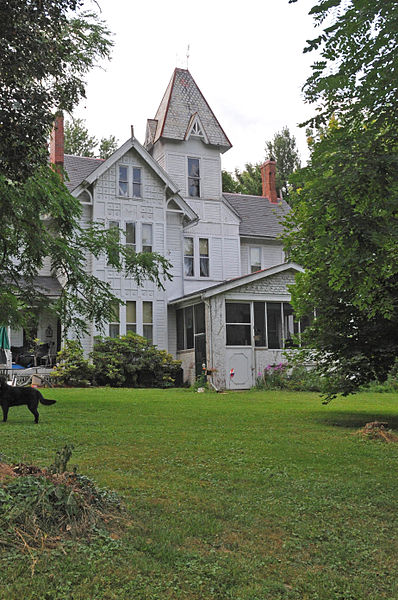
pixel 268 174
pixel 57 143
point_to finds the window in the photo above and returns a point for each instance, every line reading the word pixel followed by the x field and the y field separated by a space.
pixel 114 225
pixel 137 183
pixel 123 181
pixel 188 257
pixel 238 323
pixel 130 235
pixel 193 178
pixel 147 237
pixel 190 322
pixel 180 329
pixel 204 257
pixel 147 321
pixel 130 182
pixel 255 259
pixel 114 325
pixel 131 316
pixel 274 325
pixel 260 333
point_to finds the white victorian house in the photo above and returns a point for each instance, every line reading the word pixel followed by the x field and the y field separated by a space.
pixel 227 305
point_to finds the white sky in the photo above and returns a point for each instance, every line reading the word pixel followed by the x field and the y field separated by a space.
pixel 246 58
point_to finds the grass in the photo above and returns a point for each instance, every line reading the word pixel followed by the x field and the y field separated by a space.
pixel 244 496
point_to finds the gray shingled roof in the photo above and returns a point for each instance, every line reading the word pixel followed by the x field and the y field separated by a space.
pixel 258 216
pixel 181 100
pixel 78 168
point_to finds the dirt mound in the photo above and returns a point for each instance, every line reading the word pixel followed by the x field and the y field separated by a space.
pixel 42 508
pixel 6 471
pixel 378 430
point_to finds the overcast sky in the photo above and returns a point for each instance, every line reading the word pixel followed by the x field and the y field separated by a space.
pixel 246 57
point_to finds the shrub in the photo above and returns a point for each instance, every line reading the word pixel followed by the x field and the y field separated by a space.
pixel 390 385
pixel 132 361
pixel 72 368
pixel 297 378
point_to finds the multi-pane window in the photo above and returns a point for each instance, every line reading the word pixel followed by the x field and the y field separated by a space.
pixel 188 257
pixel 114 225
pixel 146 237
pixel 238 323
pixel 255 259
pixel 130 182
pixel 204 257
pixel 137 191
pixel 193 178
pixel 147 320
pixel 131 316
pixel 274 324
pixel 131 235
pixel 123 181
pixel 190 323
pixel 114 325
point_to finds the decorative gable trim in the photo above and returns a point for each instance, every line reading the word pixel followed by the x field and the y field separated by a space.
pixel 132 143
pixel 195 129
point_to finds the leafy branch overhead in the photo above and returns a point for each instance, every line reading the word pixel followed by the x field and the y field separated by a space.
pixel 344 225
pixel 46 50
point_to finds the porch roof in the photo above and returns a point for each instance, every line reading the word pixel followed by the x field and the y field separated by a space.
pixel 230 284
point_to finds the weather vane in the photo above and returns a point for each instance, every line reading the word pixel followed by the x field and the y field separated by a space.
pixel 187 56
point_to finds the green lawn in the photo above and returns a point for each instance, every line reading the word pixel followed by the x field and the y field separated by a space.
pixel 244 496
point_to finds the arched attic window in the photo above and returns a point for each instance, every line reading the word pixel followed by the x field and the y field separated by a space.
pixel 85 197
pixel 172 205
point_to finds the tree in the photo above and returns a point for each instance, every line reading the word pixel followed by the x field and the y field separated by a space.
pixel 284 150
pixel 46 49
pixel 79 142
pixel 107 146
pixel 344 225
pixel 247 181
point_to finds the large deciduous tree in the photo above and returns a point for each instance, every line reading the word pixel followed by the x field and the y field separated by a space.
pixel 79 142
pixel 46 49
pixel 284 150
pixel 344 224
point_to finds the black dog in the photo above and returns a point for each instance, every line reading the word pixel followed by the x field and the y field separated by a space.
pixel 16 396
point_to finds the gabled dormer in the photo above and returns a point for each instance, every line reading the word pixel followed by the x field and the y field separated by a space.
pixel 187 140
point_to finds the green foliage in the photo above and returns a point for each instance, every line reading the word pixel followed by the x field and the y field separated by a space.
pixel 247 181
pixel 26 238
pixel 72 368
pixel 107 146
pixel 41 507
pixel 283 149
pixel 62 457
pixel 344 226
pixel 46 50
pixel 79 142
pixel 132 361
pixel 297 378
pixel 229 183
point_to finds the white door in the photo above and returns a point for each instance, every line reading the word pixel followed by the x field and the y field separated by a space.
pixel 239 362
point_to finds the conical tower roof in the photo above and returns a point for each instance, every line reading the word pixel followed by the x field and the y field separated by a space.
pixel 181 104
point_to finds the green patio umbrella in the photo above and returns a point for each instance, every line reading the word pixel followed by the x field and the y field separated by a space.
pixel 4 341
